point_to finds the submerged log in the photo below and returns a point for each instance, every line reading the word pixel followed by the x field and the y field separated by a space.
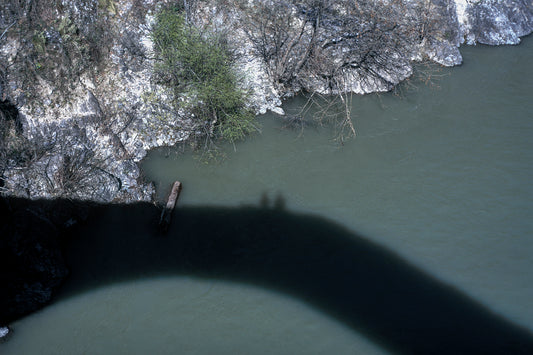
pixel 166 214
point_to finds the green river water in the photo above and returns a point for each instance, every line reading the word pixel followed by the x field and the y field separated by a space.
pixel 438 183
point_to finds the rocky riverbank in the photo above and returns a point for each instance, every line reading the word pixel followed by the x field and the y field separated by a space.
pixel 77 83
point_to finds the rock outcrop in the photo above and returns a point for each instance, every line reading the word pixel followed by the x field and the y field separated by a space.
pixel 494 22
pixel 5 332
pixel 80 104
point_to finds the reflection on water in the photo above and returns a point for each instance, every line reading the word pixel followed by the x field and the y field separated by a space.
pixel 440 176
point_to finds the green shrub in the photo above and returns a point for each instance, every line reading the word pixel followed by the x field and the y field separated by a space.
pixel 198 65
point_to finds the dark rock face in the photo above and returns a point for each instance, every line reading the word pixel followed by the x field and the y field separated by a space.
pixel 31 261
pixel 8 111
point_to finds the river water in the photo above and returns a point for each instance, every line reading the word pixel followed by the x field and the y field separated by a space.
pixel 437 183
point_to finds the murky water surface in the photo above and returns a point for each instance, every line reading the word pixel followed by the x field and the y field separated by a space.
pixel 440 175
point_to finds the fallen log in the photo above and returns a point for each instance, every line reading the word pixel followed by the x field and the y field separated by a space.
pixel 166 214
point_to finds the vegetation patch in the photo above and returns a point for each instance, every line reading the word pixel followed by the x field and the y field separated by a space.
pixel 197 65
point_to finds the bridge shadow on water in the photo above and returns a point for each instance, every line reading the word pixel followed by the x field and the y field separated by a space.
pixel 364 285
pixel 333 269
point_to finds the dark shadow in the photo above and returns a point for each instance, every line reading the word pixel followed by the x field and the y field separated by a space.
pixel 9 112
pixel 335 270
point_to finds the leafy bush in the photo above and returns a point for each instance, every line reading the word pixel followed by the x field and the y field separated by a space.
pixel 198 65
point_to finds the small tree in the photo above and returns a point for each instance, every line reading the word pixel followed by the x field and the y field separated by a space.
pixel 197 65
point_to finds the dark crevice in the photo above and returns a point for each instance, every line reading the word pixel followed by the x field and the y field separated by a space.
pixel 9 112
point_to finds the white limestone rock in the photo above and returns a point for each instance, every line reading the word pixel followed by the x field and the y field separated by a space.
pixel 494 22
pixel 4 332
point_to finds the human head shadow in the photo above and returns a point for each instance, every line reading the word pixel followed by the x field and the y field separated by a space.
pixel 360 283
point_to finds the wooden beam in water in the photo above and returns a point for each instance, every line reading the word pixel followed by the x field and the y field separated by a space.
pixel 166 214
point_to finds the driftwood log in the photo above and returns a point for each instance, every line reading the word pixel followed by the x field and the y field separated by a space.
pixel 166 214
